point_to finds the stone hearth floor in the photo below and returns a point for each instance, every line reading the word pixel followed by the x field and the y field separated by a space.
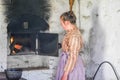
pixel 3 77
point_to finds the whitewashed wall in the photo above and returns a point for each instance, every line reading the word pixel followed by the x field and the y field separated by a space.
pixel 3 40
pixel 100 20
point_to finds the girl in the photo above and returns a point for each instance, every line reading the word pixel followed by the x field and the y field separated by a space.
pixel 70 66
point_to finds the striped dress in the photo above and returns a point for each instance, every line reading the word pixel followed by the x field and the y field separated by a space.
pixel 70 60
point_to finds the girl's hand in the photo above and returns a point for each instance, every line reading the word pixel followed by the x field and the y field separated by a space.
pixel 65 76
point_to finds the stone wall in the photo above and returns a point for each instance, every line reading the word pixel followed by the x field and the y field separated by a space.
pixel 3 39
pixel 100 20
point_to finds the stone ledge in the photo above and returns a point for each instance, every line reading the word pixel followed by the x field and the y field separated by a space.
pixel 28 61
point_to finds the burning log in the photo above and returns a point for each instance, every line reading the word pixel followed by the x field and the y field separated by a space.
pixel 15 48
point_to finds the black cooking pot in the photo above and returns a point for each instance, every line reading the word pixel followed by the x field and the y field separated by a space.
pixel 13 73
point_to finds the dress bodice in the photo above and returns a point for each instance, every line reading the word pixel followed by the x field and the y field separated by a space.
pixel 72 41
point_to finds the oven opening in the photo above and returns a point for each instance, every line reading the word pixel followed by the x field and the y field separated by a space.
pixel 34 43
pixel 27 35
pixel 22 43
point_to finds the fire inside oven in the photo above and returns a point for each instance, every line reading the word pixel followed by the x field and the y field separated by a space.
pixel 25 37
pixel 21 43
pixel 34 43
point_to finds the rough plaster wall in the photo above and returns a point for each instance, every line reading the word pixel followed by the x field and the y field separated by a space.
pixel 3 40
pixel 100 20
pixel 57 8
pixel 87 16
pixel 109 20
